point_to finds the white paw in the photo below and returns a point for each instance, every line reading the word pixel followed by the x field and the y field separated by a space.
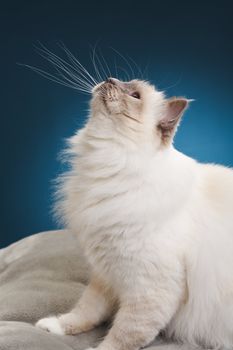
pixel 51 324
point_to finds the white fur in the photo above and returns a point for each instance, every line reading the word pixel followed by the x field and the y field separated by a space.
pixel 51 324
pixel 155 225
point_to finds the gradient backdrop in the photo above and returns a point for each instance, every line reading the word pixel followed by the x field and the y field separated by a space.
pixel 186 46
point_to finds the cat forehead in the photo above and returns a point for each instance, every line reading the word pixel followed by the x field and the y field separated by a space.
pixel 136 83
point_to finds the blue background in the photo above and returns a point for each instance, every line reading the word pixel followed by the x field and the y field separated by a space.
pixel 186 46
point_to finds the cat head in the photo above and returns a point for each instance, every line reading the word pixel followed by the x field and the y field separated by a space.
pixel 137 109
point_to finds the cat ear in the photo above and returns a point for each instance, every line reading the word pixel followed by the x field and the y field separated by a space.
pixel 174 110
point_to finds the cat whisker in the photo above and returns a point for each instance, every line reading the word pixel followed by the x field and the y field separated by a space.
pixel 74 78
pixel 116 70
pixel 104 72
pixel 45 53
pixel 127 62
pixel 54 78
pixel 84 86
pixel 94 64
pixel 136 66
pixel 68 73
pixel 76 62
pixel 109 72
pixel 71 73
pixel 175 84
pixel 65 67
pixel 125 72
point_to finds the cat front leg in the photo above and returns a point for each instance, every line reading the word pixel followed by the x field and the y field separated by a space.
pixel 94 307
pixel 141 318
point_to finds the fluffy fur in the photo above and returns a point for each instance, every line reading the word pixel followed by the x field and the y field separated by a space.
pixel 156 226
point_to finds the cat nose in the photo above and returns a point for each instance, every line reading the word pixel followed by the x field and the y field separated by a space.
pixel 112 81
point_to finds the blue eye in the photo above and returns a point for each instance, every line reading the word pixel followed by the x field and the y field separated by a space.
pixel 135 94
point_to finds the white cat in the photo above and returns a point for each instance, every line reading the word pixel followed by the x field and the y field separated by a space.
pixel 155 225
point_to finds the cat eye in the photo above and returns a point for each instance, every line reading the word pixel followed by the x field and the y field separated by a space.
pixel 135 94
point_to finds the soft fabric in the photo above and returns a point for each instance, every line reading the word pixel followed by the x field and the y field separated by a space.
pixel 44 275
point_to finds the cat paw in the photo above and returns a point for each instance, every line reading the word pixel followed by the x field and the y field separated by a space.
pixel 51 324
pixel 67 324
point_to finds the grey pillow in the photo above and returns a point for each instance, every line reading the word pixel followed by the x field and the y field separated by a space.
pixel 43 275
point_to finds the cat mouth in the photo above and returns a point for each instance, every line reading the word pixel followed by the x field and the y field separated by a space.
pixel 109 91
